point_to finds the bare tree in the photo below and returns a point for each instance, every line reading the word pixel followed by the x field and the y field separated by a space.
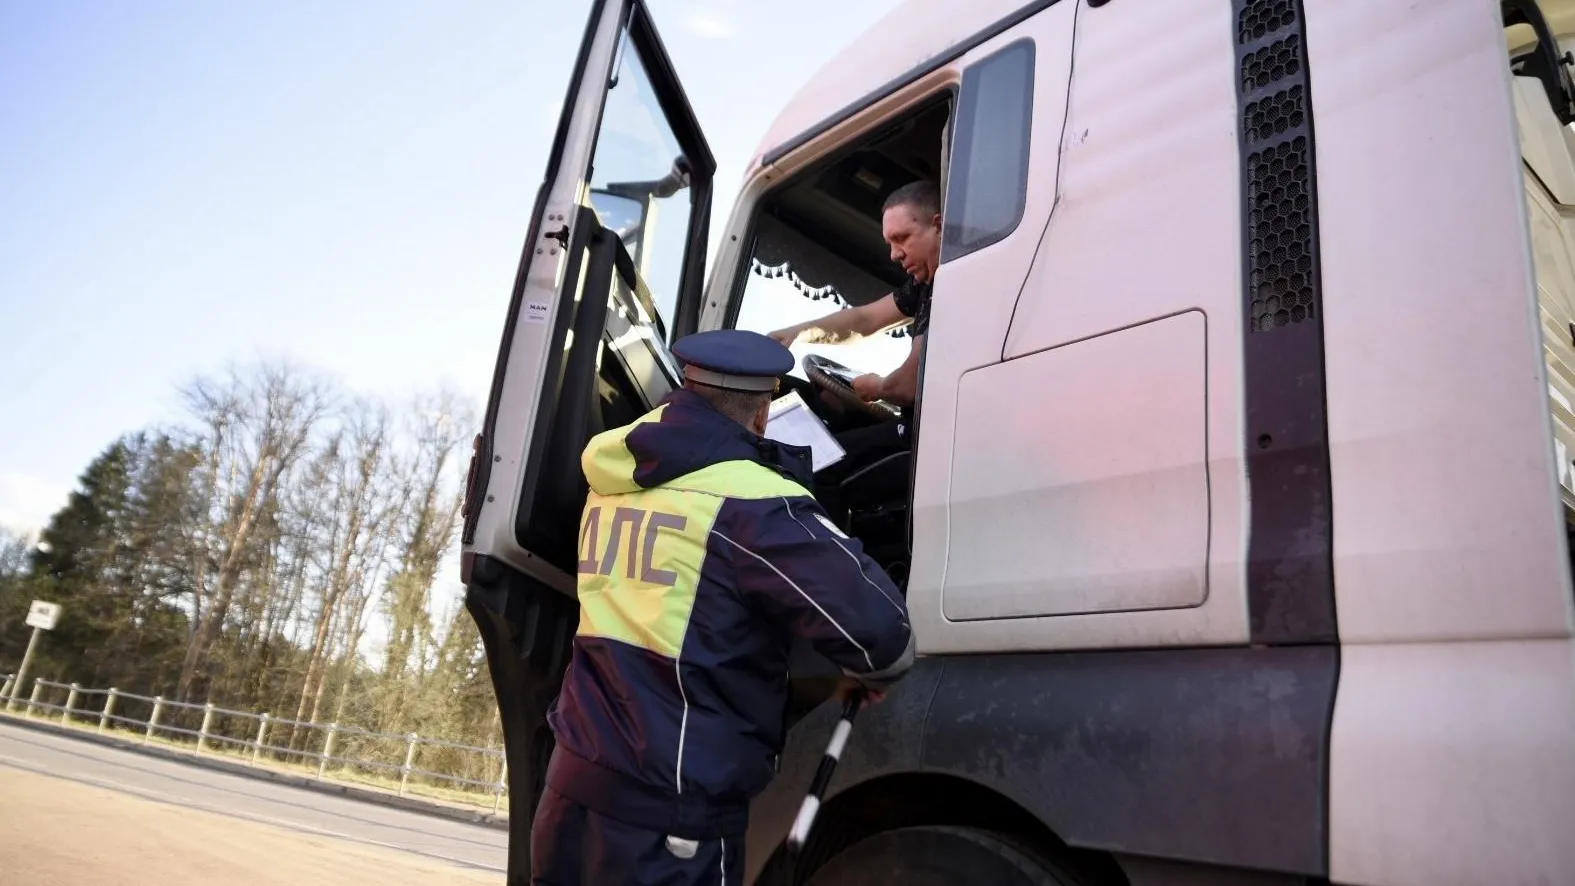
pixel 246 553
pixel 14 550
pixel 14 555
pixel 362 507
pixel 431 487
pixel 256 426
pixel 357 608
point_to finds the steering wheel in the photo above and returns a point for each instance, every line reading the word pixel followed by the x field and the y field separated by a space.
pixel 833 378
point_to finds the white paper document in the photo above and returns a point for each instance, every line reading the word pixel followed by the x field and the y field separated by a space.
pixel 792 422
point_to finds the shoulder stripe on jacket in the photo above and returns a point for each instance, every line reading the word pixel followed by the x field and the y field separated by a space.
pixel 794 585
pixel 862 573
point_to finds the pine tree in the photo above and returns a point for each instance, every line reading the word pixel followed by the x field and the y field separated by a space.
pixel 93 559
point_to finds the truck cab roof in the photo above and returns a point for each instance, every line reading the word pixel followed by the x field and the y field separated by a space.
pixel 906 41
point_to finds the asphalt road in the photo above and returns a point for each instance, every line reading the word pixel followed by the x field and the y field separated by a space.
pixel 102 796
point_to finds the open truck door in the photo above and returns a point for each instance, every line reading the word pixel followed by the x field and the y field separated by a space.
pixel 612 269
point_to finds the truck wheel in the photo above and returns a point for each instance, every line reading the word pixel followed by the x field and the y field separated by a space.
pixel 937 856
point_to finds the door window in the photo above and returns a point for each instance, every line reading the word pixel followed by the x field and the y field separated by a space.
pixel 612 268
pixel 640 183
pixel 817 245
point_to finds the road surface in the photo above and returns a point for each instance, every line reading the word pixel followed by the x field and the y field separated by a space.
pixel 78 812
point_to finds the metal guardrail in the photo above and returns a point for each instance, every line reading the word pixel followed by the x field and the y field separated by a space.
pixel 254 745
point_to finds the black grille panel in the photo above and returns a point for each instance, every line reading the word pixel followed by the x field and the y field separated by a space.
pixel 1277 175
pixel 1275 115
pixel 1272 64
pixel 1290 566
pixel 1259 20
pixel 1279 233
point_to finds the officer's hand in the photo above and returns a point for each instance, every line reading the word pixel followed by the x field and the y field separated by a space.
pixel 868 386
pixel 848 686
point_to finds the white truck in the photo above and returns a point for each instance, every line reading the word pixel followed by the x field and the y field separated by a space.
pixel 1236 533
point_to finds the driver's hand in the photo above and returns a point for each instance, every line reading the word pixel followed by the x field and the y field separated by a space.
pixel 785 337
pixel 868 386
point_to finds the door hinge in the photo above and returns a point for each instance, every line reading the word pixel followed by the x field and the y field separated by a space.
pixel 561 235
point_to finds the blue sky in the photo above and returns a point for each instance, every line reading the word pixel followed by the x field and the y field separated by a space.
pixel 347 185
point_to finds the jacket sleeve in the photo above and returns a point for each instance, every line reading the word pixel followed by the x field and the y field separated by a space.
pixel 793 564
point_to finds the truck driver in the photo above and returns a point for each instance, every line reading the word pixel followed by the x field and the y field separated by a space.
pixel 911 226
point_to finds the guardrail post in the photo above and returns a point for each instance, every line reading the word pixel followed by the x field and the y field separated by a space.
pixel 262 737
pixel 153 721
pixel 328 749
pixel 503 785
pixel 5 689
pixel 207 723
pixel 32 700
pixel 410 762
pixel 71 703
pixel 109 709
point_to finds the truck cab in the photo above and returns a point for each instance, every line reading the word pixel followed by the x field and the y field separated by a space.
pixel 1236 530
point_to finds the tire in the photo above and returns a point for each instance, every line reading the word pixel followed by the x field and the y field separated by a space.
pixel 937 856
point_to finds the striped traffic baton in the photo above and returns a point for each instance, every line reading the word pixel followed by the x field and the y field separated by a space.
pixel 799 835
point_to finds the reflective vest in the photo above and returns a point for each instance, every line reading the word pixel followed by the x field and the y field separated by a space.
pixel 702 554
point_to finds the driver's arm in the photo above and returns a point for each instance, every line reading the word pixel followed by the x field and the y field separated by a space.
pixel 900 387
pixel 845 325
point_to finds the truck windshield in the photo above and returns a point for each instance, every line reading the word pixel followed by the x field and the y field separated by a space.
pixel 773 302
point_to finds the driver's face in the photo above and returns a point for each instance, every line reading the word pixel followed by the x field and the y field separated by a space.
pixel 915 242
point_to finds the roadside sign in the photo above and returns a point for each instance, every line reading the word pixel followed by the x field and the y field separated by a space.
pixel 43 615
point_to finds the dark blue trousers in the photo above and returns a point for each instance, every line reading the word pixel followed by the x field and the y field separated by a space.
pixel 573 846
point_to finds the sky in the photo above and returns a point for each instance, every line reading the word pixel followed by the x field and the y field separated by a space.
pixel 347 186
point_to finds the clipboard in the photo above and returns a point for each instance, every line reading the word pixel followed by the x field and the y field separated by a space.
pixel 791 421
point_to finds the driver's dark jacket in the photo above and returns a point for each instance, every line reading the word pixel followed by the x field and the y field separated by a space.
pixel 913 300
pixel 701 555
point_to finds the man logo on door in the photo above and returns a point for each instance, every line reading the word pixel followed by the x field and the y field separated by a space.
pixel 628 544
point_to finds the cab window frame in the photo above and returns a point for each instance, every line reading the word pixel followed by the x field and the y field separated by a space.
pixel 946 95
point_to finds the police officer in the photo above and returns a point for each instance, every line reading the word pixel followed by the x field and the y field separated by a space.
pixel 702 555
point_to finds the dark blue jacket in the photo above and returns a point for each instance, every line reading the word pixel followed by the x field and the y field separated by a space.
pixel 701 555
